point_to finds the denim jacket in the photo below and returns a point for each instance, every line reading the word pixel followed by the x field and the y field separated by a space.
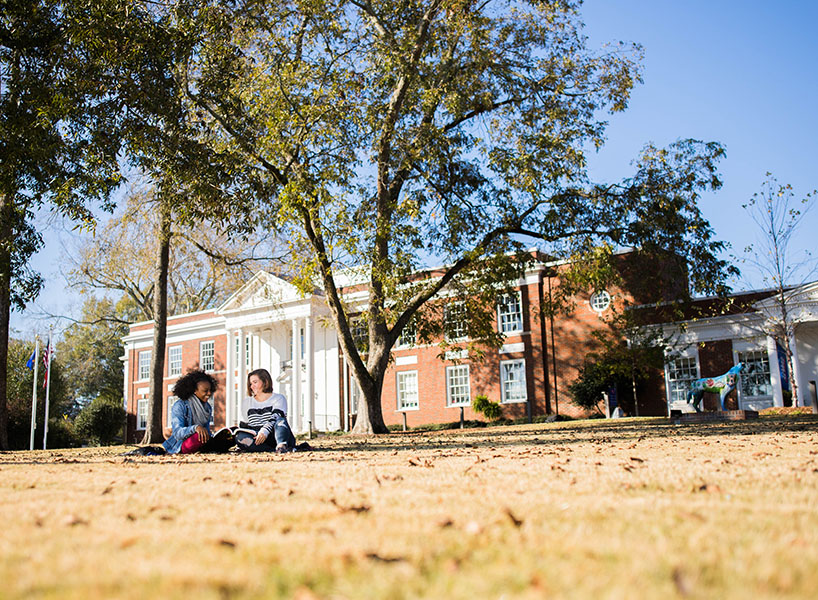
pixel 182 426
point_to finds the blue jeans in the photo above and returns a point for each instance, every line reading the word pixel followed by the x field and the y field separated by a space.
pixel 281 433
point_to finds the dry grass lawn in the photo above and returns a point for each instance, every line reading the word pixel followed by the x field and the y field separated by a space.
pixel 624 509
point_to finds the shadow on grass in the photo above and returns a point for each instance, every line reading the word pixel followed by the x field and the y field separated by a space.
pixel 566 433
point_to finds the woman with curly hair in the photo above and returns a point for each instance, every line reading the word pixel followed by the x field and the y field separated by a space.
pixel 190 416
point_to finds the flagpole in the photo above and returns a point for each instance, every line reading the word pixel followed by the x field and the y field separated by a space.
pixel 34 392
pixel 47 387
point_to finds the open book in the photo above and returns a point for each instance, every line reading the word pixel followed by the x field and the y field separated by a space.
pixel 226 433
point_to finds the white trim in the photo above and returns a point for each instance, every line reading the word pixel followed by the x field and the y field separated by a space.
pixel 401 375
pixel 450 369
pixel 406 360
pixel 509 363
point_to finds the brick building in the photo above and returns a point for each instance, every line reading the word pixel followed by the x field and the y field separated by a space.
pixel 268 323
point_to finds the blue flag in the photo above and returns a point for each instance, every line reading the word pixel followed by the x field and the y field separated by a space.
pixel 31 359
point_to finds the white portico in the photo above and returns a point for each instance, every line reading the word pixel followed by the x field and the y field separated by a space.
pixel 270 325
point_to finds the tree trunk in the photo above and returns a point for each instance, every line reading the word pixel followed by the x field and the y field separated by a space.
pixel 370 415
pixel 153 431
pixel 5 312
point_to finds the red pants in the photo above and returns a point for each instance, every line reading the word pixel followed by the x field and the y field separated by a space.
pixel 192 444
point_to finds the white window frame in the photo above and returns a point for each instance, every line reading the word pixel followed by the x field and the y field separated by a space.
pixel 141 414
pixel 171 401
pixel 510 321
pixel 174 372
pixel 680 397
pixel 408 336
pixel 143 365
pixel 453 373
pixel 404 391
pixel 211 344
pixel 740 352
pixel 247 351
pixel 459 327
pixel 600 301
pixel 506 383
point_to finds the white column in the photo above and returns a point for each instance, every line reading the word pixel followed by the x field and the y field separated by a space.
pixel 796 374
pixel 295 401
pixel 345 416
pixel 310 356
pixel 271 354
pixel 241 378
pixel 775 372
pixel 228 380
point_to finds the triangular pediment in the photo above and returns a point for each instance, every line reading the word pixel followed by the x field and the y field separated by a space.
pixel 263 290
pixel 801 302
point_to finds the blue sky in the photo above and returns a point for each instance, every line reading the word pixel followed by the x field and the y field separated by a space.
pixel 743 73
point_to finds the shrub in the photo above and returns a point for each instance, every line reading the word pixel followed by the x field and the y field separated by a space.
pixel 101 422
pixel 491 410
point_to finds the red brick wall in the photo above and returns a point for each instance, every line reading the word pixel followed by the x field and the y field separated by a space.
pixel 190 360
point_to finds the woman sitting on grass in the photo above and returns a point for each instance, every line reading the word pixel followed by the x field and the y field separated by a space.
pixel 190 416
pixel 266 413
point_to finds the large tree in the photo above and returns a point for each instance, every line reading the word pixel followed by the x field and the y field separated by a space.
pixel 205 266
pixel 396 135
pixel 56 138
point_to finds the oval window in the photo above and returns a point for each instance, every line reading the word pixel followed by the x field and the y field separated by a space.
pixel 600 301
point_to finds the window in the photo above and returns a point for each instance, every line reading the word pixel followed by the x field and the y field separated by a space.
pixel 680 373
pixel 454 321
pixel 755 378
pixel 512 380
pixel 600 301
pixel 207 356
pixel 458 390
pixel 174 361
pixel 247 351
pixel 171 401
pixel 407 336
pixel 142 413
pixel 144 365
pixel 408 390
pixel 510 313
pixel 360 333
pixel 238 350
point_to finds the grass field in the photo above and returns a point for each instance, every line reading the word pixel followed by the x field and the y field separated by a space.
pixel 598 509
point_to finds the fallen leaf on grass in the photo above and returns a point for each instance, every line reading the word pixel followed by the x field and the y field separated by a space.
pixel 107 490
pixel 127 543
pixel 386 559
pixel 681 581
pixel 356 509
pixel 710 488
pixel 517 522
pixel 227 543
pixel 445 523
pixel 74 520
pixel 417 462
pixel 637 459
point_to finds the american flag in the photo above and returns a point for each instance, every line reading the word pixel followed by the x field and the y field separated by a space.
pixel 48 353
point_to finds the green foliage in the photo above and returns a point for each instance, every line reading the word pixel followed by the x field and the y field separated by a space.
pixel 90 352
pixel 101 421
pixel 491 410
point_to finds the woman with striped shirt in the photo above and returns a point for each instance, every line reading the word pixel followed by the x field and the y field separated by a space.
pixel 266 413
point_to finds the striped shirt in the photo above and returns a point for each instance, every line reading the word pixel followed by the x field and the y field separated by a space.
pixel 259 415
